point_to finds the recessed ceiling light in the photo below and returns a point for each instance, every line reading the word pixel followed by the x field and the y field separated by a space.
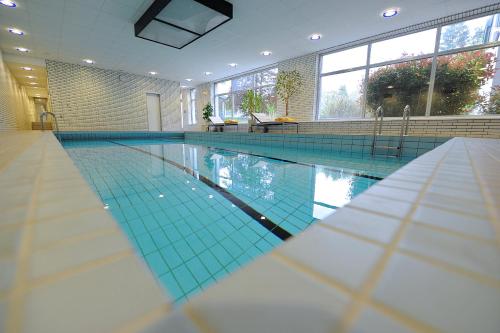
pixel 189 80
pixel 31 77
pixel 390 12
pixel 208 73
pixel 22 49
pixel 33 83
pixel 153 73
pixel 315 37
pixel 89 61
pixel 8 3
pixel 266 53
pixel 16 31
pixel 27 68
pixel 233 64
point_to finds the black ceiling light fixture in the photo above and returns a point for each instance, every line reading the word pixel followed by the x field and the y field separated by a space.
pixel 178 23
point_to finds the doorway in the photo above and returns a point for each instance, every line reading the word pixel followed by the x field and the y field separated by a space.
pixel 154 113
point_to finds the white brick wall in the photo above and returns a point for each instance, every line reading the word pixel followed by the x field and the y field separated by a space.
pixel 16 109
pixel 89 98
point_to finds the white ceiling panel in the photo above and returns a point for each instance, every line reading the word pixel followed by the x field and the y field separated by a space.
pixel 70 30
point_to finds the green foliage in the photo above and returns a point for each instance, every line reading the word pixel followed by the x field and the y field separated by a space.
pixel 208 111
pixel 288 84
pixel 251 102
pixel 459 78
pixel 271 109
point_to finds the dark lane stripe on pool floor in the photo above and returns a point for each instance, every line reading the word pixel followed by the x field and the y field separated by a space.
pixel 260 218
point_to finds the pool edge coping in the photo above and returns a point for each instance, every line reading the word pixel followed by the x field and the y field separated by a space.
pixel 196 314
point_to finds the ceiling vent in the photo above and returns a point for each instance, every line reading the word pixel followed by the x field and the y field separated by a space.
pixel 178 23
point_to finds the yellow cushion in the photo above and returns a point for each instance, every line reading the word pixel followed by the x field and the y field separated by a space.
pixel 285 119
pixel 230 122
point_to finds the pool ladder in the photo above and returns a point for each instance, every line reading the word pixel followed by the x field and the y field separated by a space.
pixel 44 115
pixel 377 131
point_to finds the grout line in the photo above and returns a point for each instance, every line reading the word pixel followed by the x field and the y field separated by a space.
pixel 79 238
pixel 144 321
pixel 351 234
pixel 15 306
pixel 493 220
pixel 478 277
pixel 401 317
pixel 366 290
pixel 450 232
pixel 296 265
pixel 197 320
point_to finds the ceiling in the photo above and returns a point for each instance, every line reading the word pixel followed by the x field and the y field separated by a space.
pixel 102 30
pixel 36 83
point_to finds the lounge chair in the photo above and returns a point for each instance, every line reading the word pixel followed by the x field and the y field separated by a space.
pixel 219 124
pixel 263 120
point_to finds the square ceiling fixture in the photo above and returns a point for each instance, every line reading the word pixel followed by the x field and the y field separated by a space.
pixel 177 23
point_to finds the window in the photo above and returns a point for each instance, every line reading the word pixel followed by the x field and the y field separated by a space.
pixel 420 43
pixel 400 71
pixel 229 94
pixel 192 107
pixel 466 84
pixel 341 95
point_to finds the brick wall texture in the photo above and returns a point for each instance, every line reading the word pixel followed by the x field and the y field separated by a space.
pixel 89 98
pixel 16 108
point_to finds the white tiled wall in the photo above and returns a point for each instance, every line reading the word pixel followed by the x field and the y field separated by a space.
pixel 16 109
pixel 89 98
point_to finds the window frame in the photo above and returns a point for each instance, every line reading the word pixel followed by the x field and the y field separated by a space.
pixel 192 107
pixel 255 87
pixel 368 66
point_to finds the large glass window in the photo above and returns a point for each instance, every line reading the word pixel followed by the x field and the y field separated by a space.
pixel 416 44
pixel 341 95
pixel 459 71
pixel 229 94
pixel 398 85
pixel 466 84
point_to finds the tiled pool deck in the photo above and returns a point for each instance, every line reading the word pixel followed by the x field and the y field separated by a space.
pixel 418 252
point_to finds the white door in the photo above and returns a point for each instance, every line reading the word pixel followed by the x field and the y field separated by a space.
pixel 154 115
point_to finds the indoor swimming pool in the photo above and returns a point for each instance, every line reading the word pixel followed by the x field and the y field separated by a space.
pixel 196 213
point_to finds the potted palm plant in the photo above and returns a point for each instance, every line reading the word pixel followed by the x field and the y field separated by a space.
pixel 208 111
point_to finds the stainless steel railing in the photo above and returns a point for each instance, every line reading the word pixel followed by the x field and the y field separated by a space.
pixel 44 115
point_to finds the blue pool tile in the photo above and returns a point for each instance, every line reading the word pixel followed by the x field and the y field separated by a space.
pixel 171 256
pixel 211 262
pixel 221 254
pixel 185 279
pixel 198 270
pixel 157 264
pixel 172 286
pixel 183 249
pixel 146 243
pixel 160 239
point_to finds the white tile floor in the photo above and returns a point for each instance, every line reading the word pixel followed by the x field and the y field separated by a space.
pixel 417 253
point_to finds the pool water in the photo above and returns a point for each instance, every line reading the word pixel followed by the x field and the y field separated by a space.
pixel 197 213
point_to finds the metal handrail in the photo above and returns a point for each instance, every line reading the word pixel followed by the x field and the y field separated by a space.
pixel 404 128
pixel 44 114
pixel 378 113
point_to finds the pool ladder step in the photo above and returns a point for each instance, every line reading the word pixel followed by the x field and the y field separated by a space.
pixel 377 132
